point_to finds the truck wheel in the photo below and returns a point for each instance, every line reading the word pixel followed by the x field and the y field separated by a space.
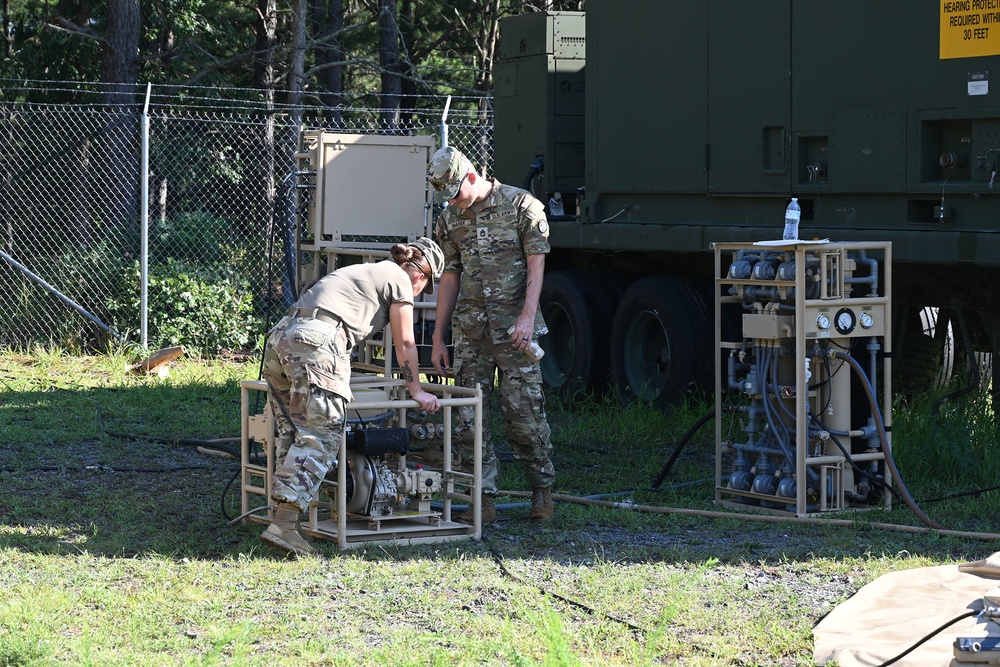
pixel 926 349
pixel 660 341
pixel 577 308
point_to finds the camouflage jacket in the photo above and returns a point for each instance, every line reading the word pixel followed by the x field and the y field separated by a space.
pixel 488 244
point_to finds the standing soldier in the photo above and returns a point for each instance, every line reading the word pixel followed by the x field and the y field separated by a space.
pixel 494 238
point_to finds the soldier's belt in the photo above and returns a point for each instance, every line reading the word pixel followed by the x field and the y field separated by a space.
pixel 321 314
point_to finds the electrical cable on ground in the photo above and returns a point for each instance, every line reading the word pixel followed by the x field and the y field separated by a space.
pixel 225 490
pixel 217 444
pixel 245 514
pixel 498 559
pixel 101 468
pixel 927 637
pixel 962 494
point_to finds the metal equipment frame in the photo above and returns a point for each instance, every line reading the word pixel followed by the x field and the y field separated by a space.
pixel 775 329
pixel 351 530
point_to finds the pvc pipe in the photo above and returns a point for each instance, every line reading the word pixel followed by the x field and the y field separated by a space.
pixel 59 295
pixel 766 518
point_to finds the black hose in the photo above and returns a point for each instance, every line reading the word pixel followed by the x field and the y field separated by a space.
pixel 704 419
pixel 283 209
pixel 928 636
pixel 225 491
pixel 847 456
pixel 498 559
pixel 536 168
pixel 286 208
pixel 204 444
pixel 889 462
pixel 962 494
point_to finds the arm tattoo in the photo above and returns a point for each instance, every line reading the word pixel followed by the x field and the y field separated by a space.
pixel 407 373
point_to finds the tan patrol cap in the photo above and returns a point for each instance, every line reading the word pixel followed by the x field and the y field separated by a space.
pixel 435 259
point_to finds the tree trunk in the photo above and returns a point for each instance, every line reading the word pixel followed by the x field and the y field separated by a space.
pixel 328 17
pixel 388 51
pixel 266 25
pixel 79 190
pixel 489 35
pixel 8 38
pixel 297 66
pixel 408 40
pixel 119 72
pixel 120 55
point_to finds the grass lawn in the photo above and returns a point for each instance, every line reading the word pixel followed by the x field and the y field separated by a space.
pixel 115 546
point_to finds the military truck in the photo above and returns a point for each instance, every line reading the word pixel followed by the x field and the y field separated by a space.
pixel 656 128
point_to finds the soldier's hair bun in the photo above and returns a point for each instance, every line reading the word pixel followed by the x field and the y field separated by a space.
pixel 407 254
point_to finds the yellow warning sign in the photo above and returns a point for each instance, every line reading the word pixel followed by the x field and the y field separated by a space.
pixel 970 28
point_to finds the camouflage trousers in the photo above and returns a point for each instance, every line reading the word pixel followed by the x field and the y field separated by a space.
pixel 477 362
pixel 307 368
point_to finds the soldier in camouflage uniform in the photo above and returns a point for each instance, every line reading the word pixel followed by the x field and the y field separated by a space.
pixel 494 238
pixel 307 366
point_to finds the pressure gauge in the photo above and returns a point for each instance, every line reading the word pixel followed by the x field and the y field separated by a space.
pixel 866 320
pixel 845 321
pixel 823 321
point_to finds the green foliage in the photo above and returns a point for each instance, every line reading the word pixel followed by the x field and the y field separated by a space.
pixel 82 274
pixel 212 43
pixel 17 649
pixel 44 53
pixel 942 444
pixel 208 308
pixel 86 271
pixel 190 237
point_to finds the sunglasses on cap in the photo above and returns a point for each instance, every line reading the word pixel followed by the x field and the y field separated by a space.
pixel 440 185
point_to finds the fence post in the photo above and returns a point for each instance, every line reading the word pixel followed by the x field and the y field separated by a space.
pixel 444 122
pixel 144 223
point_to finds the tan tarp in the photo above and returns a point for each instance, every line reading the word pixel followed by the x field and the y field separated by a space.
pixel 897 610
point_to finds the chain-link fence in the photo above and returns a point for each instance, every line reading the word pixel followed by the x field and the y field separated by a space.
pixel 71 182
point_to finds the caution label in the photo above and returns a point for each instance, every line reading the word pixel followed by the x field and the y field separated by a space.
pixel 969 28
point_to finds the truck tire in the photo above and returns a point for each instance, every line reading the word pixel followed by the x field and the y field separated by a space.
pixel 661 341
pixel 577 307
pixel 926 350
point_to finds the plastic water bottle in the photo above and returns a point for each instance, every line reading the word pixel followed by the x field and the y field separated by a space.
pixel 792 215
pixel 556 205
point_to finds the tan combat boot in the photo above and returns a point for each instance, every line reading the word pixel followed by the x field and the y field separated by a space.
pixel 489 516
pixel 283 533
pixel 541 504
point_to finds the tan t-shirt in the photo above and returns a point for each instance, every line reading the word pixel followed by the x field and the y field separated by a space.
pixel 360 296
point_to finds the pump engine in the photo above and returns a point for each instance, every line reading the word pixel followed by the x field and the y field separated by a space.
pixel 379 484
